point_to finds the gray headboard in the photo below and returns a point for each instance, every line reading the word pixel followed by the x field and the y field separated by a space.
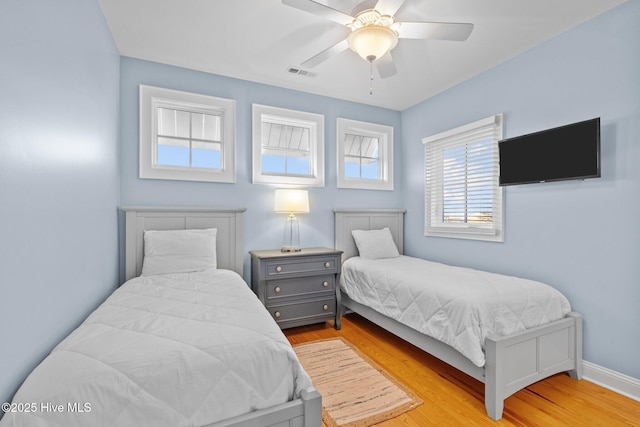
pixel 229 238
pixel 366 219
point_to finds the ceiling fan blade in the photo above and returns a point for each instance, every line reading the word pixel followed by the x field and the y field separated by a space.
pixel 326 54
pixel 385 65
pixel 389 7
pixel 364 5
pixel 320 10
pixel 435 30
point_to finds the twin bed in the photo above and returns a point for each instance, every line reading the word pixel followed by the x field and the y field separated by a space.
pixel 503 331
pixel 184 342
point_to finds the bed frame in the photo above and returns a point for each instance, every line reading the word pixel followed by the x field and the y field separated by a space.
pixel 512 362
pixel 303 412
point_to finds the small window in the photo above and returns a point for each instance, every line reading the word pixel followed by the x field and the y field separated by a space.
pixel 462 196
pixel 365 155
pixel 288 147
pixel 186 136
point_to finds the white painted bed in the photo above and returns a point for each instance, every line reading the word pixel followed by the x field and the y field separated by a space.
pixel 303 412
pixel 512 362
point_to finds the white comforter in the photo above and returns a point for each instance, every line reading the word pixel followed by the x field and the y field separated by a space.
pixel 168 350
pixel 457 306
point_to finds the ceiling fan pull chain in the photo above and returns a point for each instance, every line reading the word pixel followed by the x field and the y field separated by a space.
pixel 371 76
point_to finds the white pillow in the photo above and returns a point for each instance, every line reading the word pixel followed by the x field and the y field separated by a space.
pixel 375 244
pixel 179 251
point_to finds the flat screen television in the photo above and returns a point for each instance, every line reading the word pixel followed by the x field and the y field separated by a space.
pixel 563 153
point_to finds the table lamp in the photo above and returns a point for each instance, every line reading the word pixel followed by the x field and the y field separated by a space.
pixel 291 201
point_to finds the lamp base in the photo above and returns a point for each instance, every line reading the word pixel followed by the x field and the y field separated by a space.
pixel 291 236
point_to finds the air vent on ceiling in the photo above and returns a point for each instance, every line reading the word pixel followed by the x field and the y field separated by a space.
pixel 299 71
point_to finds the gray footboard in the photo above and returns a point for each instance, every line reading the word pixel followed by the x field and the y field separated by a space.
pixel 518 360
pixel 512 362
pixel 303 412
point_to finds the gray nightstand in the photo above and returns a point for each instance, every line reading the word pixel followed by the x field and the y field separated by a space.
pixel 298 288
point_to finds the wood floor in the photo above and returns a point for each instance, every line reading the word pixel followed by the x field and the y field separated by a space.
pixel 452 398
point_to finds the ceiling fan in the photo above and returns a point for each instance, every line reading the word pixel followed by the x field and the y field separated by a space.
pixel 375 32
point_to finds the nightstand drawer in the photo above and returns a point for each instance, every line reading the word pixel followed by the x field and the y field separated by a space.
pixel 306 310
pixel 320 265
pixel 303 287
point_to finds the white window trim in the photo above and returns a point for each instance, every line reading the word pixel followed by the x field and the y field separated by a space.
pixel 153 97
pixel 385 154
pixel 313 122
pixel 436 227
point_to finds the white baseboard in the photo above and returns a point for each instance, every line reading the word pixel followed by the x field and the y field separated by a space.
pixel 615 381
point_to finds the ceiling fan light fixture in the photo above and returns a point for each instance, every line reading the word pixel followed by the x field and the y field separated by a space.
pixel 372 41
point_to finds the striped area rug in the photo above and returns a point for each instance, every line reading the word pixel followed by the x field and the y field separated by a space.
pixel 355 391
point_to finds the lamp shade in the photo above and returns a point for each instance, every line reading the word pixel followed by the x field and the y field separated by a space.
pixel 291 201
pixel 372 41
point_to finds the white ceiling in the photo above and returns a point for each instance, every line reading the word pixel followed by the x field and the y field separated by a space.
pixel 258 40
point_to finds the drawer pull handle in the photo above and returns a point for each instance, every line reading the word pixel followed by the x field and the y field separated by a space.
pixel 325 307
pixel 277 289
pixel 325 283
pixel 276 314
pixel 278 269
pixel 327 264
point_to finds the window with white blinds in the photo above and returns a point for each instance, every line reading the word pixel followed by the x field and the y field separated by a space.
pixel 186 136
pixel 288 147
pixel 463 198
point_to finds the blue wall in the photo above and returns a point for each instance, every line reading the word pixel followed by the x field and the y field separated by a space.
pixel 59 177
pixel 580 236
pixel 263 227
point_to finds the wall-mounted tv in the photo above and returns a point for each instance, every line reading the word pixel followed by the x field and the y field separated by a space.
pixel 562 153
